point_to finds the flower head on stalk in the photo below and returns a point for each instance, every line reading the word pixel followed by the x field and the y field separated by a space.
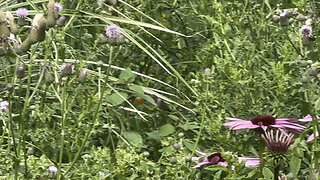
pixel 217 159
pixel 264 122
pixel 114 35
pixel 308 118
pixel 22 12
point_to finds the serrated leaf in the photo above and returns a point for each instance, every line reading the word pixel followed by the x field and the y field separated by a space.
pixel 267 174
pixel 154 135
pixel 127 76
pixel 295 163
pixel 133 138
pixel 136 88
pixel 115 99
pixel 166 130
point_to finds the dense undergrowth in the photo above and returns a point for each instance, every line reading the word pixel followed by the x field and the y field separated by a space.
pixel 114 89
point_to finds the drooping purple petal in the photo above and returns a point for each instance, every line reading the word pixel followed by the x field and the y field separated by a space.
pixel 307 118
pixel 312 136
pixel 250 162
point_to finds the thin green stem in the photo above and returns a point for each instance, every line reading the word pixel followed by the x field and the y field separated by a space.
pixel 95 116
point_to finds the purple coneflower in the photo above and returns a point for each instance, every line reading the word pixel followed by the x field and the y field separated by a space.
pixel 212 159
pixel 277 141
pixel 264 122
pixel 22 12
pixel 308 118
pixel 217 159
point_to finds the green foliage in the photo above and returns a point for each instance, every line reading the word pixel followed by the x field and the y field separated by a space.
pixel 161 79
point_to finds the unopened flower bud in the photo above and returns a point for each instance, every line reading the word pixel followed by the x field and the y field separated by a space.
pixel 37 33
pixel 21 70
pixel 66 69
pixel 4 30
pixel 61 21
pixel 48 78
pixel 83 75
pixel 12 24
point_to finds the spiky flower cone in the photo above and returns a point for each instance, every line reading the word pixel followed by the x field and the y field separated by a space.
pixel 37 33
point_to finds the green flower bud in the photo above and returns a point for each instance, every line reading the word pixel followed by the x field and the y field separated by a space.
pixel 37 33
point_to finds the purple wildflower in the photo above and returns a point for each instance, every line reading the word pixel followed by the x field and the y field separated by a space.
pixel 217 159
pixel 113 31
pixel 4 106
pixel 249 161
pixel 52 171
pixel 264 122
pixel 22 12
pixel 308 118
pixel 306 30
pixel 58 7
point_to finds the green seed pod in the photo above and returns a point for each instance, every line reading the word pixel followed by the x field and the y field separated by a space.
pixel 177 146
pixel 173 160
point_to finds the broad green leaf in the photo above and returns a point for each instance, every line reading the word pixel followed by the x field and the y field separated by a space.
pixel 166 130
pixel 190 146
pixel 127 75
pixel 115 99
pixel 136 88
pixel 267 173
pixel 149 99
pixel 190 126
pixel 295 163
pixel 133 138
pixel 154 135
pixel 317 105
